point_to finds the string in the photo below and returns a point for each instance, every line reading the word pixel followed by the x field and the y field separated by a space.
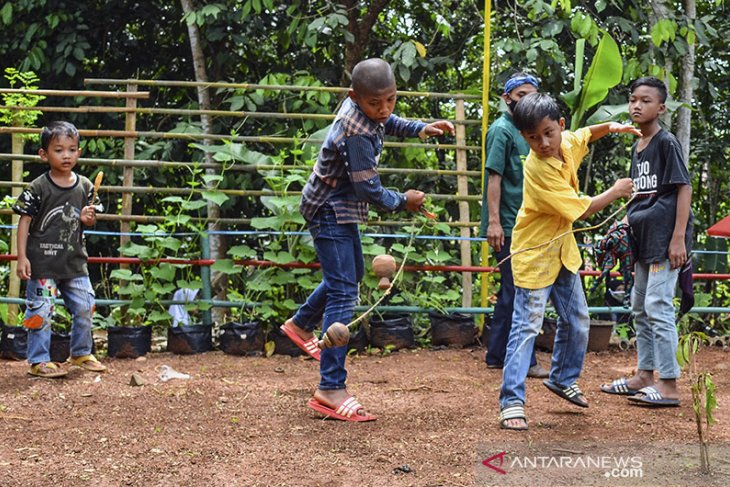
pixel 398 273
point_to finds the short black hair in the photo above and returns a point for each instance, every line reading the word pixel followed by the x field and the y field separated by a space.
pixel 532 109
pixel 57 129
pixel 371 76
pixel 653 82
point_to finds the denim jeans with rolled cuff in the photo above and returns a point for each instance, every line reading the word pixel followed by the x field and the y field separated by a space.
pixel 340 254
pixel 654 318
pixel 77 295
pixel 571 335
pixel 502 318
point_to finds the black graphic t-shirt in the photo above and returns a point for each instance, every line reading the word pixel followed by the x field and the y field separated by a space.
pixel 656 171
pixel 56 247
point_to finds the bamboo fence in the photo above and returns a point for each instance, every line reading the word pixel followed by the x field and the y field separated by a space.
pixel 131 135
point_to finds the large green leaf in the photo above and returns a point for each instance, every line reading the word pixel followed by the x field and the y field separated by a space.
pixel 614 113
pixel 605 72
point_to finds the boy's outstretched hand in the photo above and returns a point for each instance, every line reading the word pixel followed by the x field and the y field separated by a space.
pixel 438 128
pixel 623 187
pixel 414 199
pixel 620 128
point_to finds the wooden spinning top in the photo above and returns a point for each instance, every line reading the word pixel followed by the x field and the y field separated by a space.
pixel 337 335
pixel 384 268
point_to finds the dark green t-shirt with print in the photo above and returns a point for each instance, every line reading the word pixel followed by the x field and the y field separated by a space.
pixel 56 247
pixel 505 152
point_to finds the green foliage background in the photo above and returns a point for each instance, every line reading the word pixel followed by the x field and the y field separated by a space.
pixel 432 47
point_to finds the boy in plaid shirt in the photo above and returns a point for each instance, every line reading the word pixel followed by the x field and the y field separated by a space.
pixel 335 200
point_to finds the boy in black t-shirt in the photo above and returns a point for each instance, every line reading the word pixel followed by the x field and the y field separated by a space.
pixel 661 223
pixel 51 252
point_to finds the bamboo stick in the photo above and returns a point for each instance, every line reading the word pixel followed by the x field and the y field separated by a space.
pixel 230 192
pixel 190 112
pixel 253 86
pixel 235 138
pixel 463 190
pixel 86 93
pixel 83 161
pixel 241 221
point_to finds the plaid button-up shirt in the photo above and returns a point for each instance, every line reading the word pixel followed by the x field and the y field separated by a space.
pixel 345 175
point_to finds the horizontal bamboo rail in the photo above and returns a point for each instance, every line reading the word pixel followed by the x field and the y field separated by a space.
pixel 253 86
pixel 85 93
pixel 230 192
pixel 243 221
pixel 231 138
pixel 239 167
pixel 190 112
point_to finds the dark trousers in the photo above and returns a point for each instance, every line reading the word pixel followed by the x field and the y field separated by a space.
pixel 502 318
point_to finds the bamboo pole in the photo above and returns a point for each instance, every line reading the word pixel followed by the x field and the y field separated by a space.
pixel 86 93
pixel 18 144
pixel 253 86
pixel 245 221
pixel 235 167
pixel 230 192
pixel 486 66
pixel 462 185
pixel 130 124
pixel 229 138
pixel 193 112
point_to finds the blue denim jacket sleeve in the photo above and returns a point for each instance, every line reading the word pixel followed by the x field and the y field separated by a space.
pixel 361 153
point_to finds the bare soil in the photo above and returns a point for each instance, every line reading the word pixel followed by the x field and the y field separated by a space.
pixel 244 421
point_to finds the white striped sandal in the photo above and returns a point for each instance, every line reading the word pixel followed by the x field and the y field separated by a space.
pixel 572 393
pixel 512 412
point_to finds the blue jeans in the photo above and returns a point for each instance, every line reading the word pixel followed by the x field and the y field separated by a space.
pixel 502 318
pixel 77 295
pixel 340 254
pixel 656 328
pixel 571 335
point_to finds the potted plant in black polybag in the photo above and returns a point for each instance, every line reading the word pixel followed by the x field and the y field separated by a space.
pixel 13 338
pixel 187 333
pixel 60 335
pixel 244 334
pixel 436 293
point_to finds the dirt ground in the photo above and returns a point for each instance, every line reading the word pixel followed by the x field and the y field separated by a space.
pixel 244 421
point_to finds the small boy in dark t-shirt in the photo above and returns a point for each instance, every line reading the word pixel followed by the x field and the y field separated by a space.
pixel 51 252
pixel 661 224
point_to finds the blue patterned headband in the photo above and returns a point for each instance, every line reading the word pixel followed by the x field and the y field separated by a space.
pixel 513 83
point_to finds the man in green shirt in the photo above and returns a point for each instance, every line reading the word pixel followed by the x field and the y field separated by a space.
pixel 505 150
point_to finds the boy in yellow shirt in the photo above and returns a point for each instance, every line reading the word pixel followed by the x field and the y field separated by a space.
pixel 551 204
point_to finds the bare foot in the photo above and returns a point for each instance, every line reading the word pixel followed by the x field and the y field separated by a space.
pixel 515 423
pixel 302 333
pixel 667 388
pixel 642 378
pixel 333 398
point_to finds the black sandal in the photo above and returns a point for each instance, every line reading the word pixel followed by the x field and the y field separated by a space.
pixel 571 393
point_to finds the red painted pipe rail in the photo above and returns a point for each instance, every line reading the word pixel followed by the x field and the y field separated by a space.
pixel 302 265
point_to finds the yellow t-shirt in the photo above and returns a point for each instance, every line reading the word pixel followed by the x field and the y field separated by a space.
pixel 550 206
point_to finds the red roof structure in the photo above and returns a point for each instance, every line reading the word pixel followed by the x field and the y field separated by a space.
pixel 721 228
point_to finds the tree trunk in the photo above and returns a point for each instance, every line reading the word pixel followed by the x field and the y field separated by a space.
pixel 360 31
pixel 660 11
pixel 684 115
pixel 217 242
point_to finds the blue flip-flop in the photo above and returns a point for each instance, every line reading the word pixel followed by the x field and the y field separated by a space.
pixel 653 398
pixel 619 387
